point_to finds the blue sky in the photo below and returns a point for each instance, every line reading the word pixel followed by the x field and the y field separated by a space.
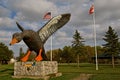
pixel 29 13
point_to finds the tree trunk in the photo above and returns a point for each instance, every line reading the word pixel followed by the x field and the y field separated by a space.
pixel 78 60
pixel 113 61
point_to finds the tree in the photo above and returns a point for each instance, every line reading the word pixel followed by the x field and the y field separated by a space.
pixel 89 53
pixel 55 54
pixel 5 53
pixel 21 54
pixel 77 45
pixel 67 54
pixel 112 44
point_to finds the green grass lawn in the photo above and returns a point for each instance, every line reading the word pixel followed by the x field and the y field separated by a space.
pixel 70 71
pixel 105 72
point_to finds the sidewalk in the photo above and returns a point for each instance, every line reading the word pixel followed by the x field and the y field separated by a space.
pixel 83 77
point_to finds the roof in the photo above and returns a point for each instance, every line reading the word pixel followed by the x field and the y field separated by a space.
pixel 106 56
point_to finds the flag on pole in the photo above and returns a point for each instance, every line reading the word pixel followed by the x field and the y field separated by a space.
pixel 91 11
pixel 47 15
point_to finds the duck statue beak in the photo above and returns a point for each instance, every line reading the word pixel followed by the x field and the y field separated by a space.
pixel 14 40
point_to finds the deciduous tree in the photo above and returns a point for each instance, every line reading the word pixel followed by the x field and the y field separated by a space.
pixel 5 53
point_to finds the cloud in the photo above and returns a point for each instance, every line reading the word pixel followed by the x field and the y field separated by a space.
pixel 4 12
pixel 29 14
pixel 31 10
pixel 5 21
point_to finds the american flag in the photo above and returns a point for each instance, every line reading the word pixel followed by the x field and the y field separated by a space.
pixel 47 15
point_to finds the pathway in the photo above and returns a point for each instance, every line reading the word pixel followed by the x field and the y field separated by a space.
pixel 83 77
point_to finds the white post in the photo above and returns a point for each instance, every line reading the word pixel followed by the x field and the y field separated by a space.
pixel 94 28
pixel 51 46
pixel 51 50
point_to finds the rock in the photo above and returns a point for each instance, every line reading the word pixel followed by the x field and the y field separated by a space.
pixel 40 69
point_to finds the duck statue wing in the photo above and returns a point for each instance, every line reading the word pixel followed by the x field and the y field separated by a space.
pixel 53 25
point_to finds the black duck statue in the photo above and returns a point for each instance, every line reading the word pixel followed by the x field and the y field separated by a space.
pixel 36 40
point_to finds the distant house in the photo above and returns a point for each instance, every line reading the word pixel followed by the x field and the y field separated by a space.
pixel 12 60
pixel 4 61
pixel 106 58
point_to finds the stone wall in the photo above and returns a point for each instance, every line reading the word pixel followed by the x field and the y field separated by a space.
pixel 41 68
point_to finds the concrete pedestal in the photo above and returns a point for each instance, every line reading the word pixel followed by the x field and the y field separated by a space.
pixel 35 69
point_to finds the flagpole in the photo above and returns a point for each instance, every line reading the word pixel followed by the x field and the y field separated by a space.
pixel 48 16
pixel 51 46
pixel 51 50
pixel 94 28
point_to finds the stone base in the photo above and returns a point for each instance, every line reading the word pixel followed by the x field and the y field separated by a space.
pixel 38 77
pixel 35 69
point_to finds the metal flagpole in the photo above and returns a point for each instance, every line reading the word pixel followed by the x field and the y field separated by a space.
pixel 51 50
pixel 51 46
pixel 94 28
pixel 49 16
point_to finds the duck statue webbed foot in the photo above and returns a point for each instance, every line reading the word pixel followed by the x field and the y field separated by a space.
pixel 39 57
pixel 25 58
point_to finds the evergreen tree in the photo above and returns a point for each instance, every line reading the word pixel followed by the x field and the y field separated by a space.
pixel 21 54
pixel 112 44
pixel 77 45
